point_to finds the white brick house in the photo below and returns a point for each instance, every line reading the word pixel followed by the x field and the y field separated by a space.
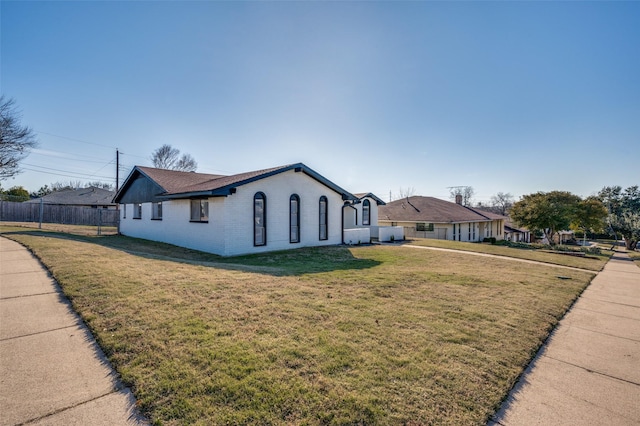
pixel 273 209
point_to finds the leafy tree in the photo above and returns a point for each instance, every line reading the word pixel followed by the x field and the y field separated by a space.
pixel 17 193
pixel 624 212
pixel 589 216
pixel 501 202
pixel 64 186
pixel 15 140
pixel 44 190
pixel 548 212
pixel 167 157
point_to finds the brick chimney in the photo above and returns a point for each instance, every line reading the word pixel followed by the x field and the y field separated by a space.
pixel 459 199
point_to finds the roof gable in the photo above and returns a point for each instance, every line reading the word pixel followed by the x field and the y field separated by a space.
pixel 371 195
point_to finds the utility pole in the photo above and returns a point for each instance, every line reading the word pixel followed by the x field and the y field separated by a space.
pixel 117 185
pixel 117 168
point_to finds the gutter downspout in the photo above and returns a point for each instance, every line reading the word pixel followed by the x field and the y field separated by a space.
pixel 342 224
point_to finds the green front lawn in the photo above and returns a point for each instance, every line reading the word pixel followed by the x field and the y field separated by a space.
pixel 334 335
pixel 590 262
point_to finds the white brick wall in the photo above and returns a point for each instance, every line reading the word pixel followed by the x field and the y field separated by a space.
pixel 373 212
pixel 278 189
pixel 230 227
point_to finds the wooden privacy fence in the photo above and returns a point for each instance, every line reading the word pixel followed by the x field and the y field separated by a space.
pixel 55 213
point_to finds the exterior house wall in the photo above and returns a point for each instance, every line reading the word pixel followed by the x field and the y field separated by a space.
pixel 373 213
pixel 351 217
pixel 278 190
pixel 229 230
pixel 516 236
pixel 445 231
pixel 176 227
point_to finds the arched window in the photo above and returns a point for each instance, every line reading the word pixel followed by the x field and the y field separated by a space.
pixel 259 219
pixel 366 212
pixel 324 232
pixel 294 219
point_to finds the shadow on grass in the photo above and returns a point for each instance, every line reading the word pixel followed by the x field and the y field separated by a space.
pixel 279 263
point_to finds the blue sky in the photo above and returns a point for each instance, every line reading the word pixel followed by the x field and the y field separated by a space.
pixel 512 97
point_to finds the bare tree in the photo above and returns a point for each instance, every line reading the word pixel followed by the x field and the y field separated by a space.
pixel 167 157
pixel 99 184
pixel 465 193
pixel 502 202
pixel 404 193
pixel 63 186
pixel 186 163
pixel 15 140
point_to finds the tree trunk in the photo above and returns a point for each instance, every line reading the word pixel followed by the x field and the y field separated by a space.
pixel 549 234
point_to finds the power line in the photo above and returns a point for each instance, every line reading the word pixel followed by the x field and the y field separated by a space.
pixel 79 174
pixel 67 156
pixel 64 175
pixel 75 140
pixel 87 142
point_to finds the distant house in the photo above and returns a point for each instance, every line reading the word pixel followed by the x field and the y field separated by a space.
pixel 92 197
pixel 428 217
pixel 272 209
pixel 515 233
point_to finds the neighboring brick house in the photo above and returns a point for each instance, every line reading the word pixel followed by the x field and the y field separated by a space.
pixel 273 209
pixel 92 197
pixel 429 217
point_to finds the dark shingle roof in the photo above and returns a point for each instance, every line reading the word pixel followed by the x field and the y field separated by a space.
pixel 190 184
pixel 428 209
pixel 80 197
pixel 173 181
pixel 488 214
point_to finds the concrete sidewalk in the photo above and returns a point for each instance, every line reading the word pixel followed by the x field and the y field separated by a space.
pixel 52 372
pixel 588 372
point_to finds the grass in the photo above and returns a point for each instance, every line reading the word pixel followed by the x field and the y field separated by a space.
pixel 590 262
pixel 324 336
pixel 635 256
pixel 71 229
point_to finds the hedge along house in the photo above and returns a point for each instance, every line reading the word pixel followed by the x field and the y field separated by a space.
pixel 428 217
pixel 273 209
